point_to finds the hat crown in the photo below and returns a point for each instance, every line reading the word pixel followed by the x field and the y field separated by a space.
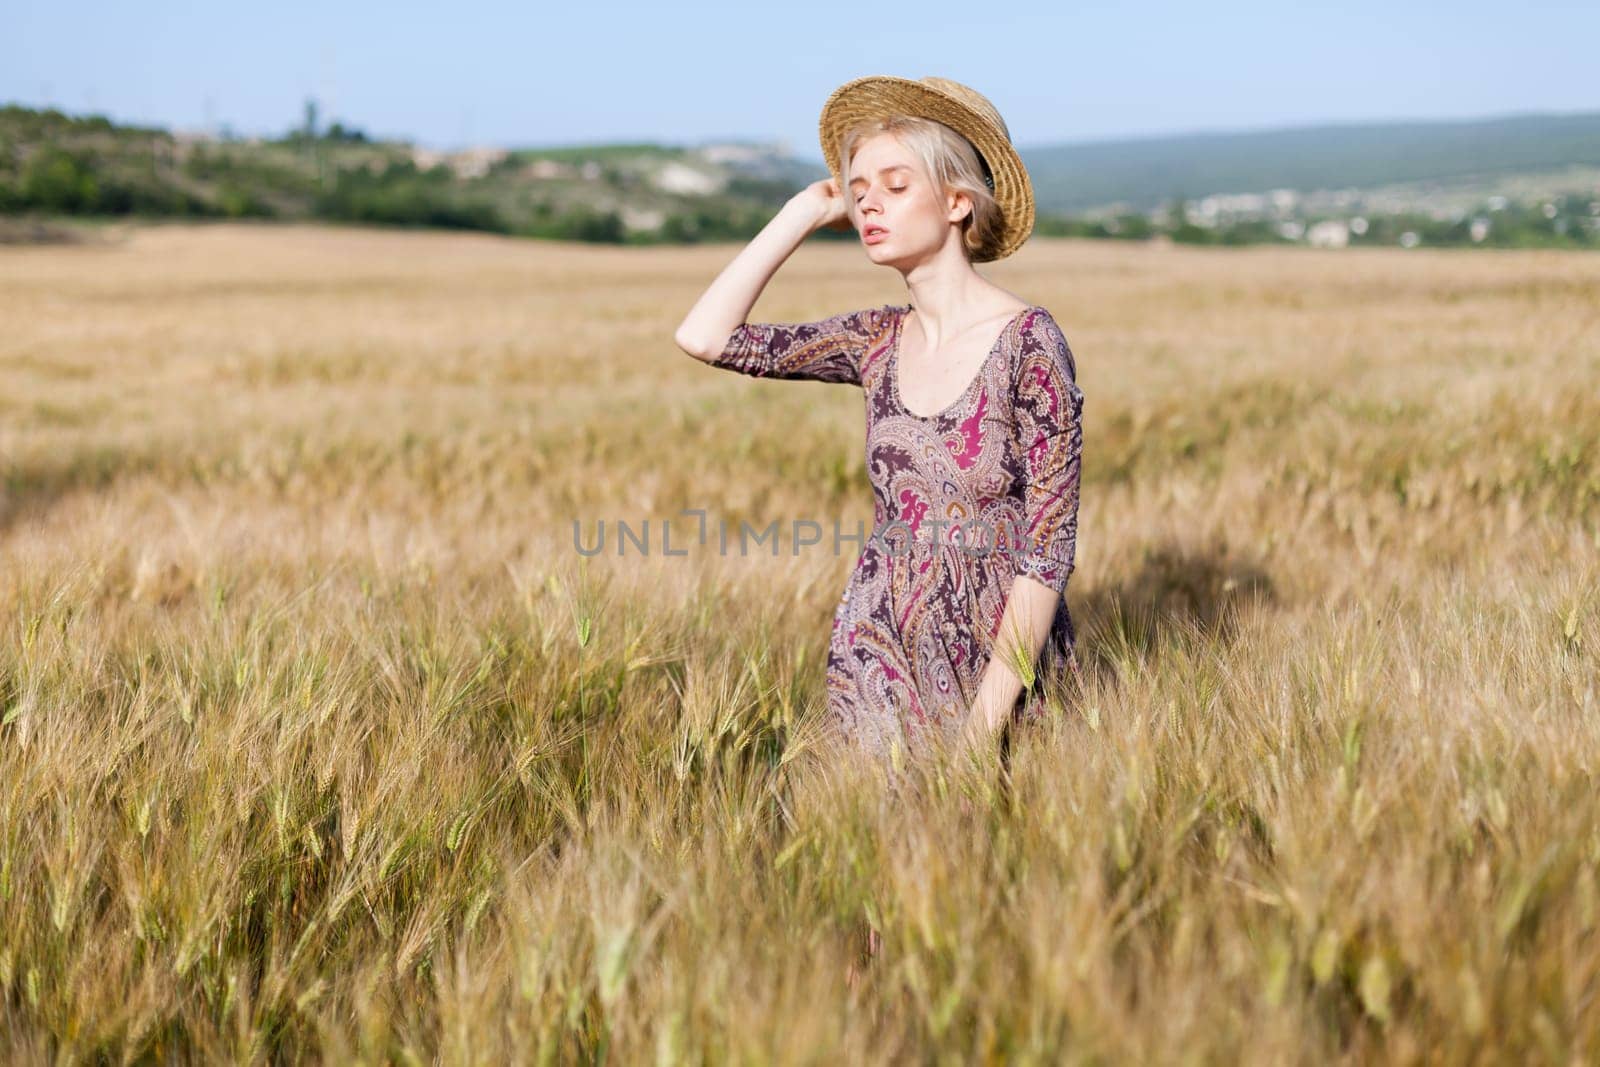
pixel 973 99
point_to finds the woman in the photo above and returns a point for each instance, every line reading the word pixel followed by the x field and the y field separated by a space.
pixel 973 409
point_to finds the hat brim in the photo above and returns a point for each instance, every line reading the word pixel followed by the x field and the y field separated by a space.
pixel 881 96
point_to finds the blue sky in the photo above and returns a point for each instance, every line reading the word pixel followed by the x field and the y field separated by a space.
pixel 540 74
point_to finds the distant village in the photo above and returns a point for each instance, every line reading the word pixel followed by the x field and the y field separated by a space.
pixel 1320 219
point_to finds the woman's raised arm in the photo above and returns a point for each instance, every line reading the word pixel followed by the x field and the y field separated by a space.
pixel 723 307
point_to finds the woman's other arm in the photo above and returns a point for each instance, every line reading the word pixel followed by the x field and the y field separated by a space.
pixel 1024 628
pixel 1049 437
pixel 727 301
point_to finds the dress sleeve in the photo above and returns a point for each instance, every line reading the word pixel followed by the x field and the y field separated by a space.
pixel 1049 439
pixel 827 350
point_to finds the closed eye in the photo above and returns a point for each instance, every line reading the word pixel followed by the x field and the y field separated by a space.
pixel 892 189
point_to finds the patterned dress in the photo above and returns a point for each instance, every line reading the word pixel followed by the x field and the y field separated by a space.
pixel 997 469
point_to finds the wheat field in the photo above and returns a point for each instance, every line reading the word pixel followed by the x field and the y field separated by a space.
pixel 322 741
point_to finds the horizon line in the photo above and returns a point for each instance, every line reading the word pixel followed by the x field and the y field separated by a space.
pixel 1208 132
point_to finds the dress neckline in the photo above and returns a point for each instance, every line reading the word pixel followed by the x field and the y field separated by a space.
pixel 983 367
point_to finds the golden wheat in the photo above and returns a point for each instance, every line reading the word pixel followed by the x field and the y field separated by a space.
pixel 321 739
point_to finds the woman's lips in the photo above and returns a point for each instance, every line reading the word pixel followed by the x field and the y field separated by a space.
pixel 874 235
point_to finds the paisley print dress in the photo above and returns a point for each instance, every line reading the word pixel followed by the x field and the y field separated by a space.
pixel 965 501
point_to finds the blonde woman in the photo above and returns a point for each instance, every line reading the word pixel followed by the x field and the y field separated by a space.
pixel 955 612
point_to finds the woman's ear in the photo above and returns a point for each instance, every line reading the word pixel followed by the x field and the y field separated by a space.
pixel 958 206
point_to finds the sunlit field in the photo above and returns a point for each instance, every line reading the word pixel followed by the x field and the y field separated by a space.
pixel 322 739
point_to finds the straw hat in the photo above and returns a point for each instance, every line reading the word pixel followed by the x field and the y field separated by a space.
pixel 964 110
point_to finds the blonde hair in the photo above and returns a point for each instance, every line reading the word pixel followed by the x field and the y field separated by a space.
pixel 950 161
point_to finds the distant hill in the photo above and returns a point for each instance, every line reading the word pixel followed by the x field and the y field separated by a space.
pixel 1517 181
pixel 1144 174
pixel 57 164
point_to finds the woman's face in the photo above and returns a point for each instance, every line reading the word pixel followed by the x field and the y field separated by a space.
pixel 893 204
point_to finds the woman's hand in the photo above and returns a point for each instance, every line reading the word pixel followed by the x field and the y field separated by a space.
pixel 827 202
pixel 979 730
